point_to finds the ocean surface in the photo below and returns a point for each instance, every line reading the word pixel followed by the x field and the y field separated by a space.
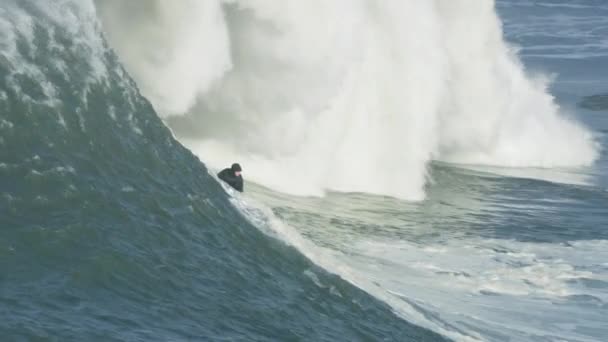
pixel 415 171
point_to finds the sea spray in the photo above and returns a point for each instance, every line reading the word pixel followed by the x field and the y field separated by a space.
pixel 355 96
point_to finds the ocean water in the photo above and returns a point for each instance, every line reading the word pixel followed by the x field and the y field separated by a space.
pixel 415 171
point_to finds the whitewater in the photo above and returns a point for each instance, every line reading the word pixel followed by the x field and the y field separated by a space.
pixel 343 95
pixel 415 170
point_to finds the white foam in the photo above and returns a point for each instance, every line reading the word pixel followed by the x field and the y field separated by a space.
pixel 344 95
pixel 498 286
pixel 175 49
pixel 5 124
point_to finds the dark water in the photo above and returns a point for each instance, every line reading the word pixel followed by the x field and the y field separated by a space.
pixel 110 230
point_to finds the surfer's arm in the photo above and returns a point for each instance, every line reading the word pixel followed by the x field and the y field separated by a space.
pixel 238 184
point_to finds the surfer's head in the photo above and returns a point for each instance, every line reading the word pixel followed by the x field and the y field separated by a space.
pixel 236 168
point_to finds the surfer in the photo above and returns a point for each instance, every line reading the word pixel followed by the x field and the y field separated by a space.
pixel 232 176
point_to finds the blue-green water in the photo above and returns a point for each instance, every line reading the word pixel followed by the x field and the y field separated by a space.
pixel 111 230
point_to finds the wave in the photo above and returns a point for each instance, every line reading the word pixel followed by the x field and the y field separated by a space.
pixel 112 230
pixel 598 102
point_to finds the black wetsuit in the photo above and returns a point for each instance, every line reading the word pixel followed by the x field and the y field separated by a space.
pixel 228 176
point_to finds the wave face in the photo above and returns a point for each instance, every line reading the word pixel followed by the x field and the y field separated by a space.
pixel 110 230
pixel 342 95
